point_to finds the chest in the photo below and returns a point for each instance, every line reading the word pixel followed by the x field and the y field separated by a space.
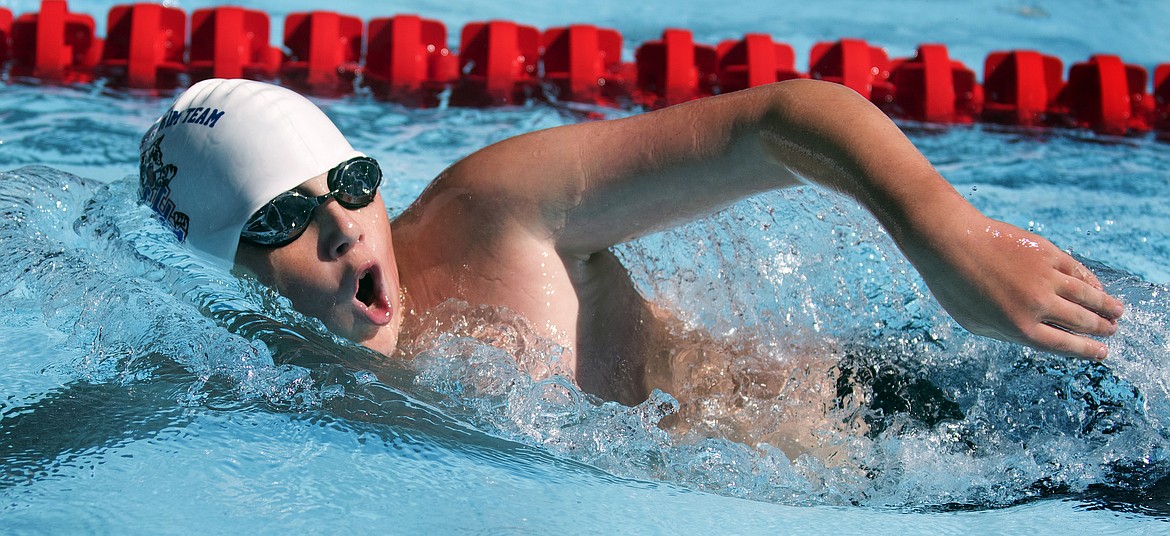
pixel 588 305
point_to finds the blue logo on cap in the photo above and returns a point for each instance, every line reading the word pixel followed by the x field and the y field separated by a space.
pixel 155 188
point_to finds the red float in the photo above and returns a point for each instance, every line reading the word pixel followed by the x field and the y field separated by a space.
pixel 5 33
pixel 1107 96
pixel 930 87
pixel 498 60
pixel 674 69
pixel 325 48
pixel 144 46
pixel 1162 97
pixel 583 63
pixel 855 64
pixel 55 45
pixel 753 61
pixel 231 42
pixel 1021 87
pixel 408 60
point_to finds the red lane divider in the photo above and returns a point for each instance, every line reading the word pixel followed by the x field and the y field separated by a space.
pixel 1021 87
pixel 325 48
pixel 55 45
pixel 854 64
pixel 674 69
pixel 408 60
pixel 931 87
pixel 144 46
pixel 754 61
pixel 498 60
pixel 502 62
pixel 1108 96
pixel 583 63
pixel 231 42
pixel 1162 97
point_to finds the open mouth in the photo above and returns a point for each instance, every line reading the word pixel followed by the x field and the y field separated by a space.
pixel 366 290
pixel 372 295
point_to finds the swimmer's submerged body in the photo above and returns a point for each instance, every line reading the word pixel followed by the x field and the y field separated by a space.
pixel 526 224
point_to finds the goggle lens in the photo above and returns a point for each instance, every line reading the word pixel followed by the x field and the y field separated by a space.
pixel 353 183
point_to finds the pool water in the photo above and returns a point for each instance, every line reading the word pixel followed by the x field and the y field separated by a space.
pixel 144 388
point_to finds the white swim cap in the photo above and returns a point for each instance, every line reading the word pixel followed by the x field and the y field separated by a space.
pixel 224 149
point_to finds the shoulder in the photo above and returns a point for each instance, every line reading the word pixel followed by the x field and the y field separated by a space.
pixel 466 214
pixel 522 185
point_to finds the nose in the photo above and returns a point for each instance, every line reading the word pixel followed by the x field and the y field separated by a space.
pixel 338 230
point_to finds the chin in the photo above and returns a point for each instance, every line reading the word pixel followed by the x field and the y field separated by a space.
pixel 384 341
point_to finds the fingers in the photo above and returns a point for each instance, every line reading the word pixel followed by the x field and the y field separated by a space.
pixel 1084 310
pixel 1076 318
pixel 1090 297
pixel 1070 266
pixel 1059 341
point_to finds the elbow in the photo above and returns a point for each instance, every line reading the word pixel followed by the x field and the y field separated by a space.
pixel 804 98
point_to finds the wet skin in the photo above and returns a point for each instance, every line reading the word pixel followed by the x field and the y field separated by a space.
pixel 526 224
pixel 321 273
pixel 342 270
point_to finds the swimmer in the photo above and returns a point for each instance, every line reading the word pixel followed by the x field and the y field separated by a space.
pixel 257 178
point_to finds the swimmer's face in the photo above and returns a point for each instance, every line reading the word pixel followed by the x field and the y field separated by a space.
pixel 342 270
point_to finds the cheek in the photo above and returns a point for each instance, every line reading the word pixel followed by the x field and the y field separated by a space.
pixel 290 270
pixel 297 275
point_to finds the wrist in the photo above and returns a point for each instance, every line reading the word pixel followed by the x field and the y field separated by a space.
pixel 931 219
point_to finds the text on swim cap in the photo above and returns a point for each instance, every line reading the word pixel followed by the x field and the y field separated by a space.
pixel 198 115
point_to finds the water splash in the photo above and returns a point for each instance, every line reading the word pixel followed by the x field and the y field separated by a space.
pixel 841 381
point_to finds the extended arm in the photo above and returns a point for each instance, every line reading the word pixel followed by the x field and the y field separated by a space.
pixel 592 185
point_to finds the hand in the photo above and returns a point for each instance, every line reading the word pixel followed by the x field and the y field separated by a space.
pixel 1000 281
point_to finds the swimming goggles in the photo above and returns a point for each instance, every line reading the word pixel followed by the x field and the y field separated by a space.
pixel 353 183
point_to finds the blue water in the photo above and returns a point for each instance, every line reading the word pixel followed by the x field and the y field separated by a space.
pixel 145 389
